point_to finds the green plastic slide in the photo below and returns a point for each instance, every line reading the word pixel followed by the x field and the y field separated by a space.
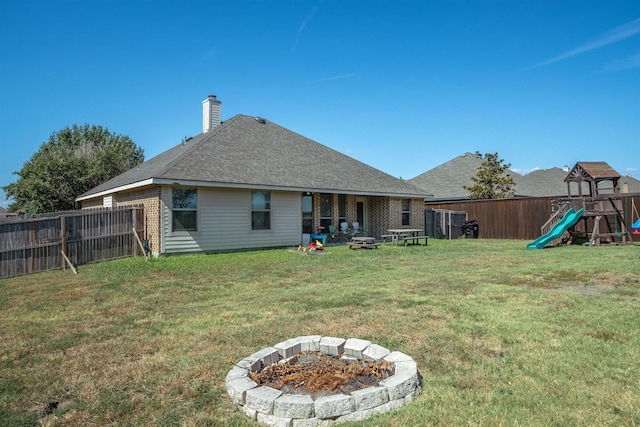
pixel 568 220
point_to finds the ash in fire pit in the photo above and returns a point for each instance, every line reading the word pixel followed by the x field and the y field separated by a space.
pixel 316 374
pixel 315 379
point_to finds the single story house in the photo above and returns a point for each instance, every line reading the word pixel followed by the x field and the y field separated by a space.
pixel 249 183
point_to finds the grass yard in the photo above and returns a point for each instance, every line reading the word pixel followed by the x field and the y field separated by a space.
pixel 502 335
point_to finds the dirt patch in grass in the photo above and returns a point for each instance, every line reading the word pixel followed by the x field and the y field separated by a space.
pixel 585 285
pixel 306 251
pixel 317 374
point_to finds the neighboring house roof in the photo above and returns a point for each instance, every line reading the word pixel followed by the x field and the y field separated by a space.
pixel 446 181
pixel 633 185
pixel 5 214
pixel 249 152
pixel 543 183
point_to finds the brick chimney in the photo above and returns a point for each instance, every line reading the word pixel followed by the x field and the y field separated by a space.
pixel 210 113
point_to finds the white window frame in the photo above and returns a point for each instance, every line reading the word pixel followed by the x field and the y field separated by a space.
pixel 265 209
pixel 188 208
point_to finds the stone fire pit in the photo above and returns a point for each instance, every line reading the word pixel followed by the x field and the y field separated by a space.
pixel 273 407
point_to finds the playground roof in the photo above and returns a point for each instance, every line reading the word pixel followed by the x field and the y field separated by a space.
pixel 591 171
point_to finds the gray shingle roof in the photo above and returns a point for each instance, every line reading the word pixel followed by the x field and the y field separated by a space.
pixel 543 183
pixel 446 181
pixel 246 151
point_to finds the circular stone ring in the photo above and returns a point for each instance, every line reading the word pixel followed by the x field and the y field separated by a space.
pixel 273 407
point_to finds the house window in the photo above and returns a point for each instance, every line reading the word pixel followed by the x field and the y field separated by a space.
pixel 326 210
pixel 342 208
pixel 185 209
pixel 406 211
pixel 260 210
pixel 307 213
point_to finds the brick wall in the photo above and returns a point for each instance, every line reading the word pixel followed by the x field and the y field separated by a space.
pixel 379 215
pixel 150 198
pixel 395 213
pixel 417 213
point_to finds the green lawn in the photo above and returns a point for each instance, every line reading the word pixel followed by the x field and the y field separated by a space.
pixel 502 335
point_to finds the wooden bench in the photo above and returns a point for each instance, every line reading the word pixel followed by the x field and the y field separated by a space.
pixel 363 242
pixel 392 238
pixel 406 239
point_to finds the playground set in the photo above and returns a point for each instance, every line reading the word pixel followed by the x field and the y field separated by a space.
pixel 593 198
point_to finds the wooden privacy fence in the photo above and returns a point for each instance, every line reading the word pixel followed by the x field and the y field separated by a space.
pixel 46 242
pixel 521 218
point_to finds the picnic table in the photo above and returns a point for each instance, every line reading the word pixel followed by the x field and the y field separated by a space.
pixel 406 235
pixel 363 242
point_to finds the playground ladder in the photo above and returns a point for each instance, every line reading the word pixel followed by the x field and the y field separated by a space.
pixel 555 218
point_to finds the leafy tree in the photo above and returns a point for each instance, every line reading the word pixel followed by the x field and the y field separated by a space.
pixel 492 181
pixel 73 161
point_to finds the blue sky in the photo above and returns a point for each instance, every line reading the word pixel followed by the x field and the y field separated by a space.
pixel 400 85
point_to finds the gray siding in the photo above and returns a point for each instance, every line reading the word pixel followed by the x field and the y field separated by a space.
pixel 224 222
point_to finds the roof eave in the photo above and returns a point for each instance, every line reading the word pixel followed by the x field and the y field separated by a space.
pixel 132 186
pixel 191 183
pixel 212 184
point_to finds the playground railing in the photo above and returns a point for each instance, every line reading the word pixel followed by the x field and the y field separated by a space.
pixel 555 218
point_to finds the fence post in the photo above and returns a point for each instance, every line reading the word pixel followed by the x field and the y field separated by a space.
pixel 134 222
pixel 33 244
pixel 63 241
